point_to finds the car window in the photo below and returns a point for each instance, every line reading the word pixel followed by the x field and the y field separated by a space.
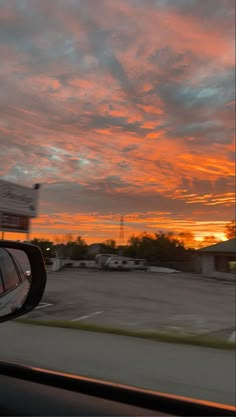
pixel 8 270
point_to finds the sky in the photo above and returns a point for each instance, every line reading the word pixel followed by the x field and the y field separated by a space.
pixel 120 108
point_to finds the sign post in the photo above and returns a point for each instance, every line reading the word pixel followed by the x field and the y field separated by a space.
pixel 18 204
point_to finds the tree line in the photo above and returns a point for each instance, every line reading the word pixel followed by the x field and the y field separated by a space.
pixel 157 247
pixel 161 247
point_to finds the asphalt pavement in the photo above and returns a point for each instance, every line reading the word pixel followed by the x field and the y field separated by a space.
pixel 196 372
pixel 140 301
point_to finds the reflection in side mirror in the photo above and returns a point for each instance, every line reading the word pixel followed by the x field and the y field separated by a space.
pixel 22 278
pixel 15 277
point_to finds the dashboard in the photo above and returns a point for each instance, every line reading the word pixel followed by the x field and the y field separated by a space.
pixel 21 397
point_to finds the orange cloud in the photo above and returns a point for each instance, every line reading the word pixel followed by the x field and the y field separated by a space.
pixel 114 115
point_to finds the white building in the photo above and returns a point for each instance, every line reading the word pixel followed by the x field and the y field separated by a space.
pixel 219 260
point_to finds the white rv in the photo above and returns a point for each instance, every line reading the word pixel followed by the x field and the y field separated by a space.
pixel 121 263
pixel 102 258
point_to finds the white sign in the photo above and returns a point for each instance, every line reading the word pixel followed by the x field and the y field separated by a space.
pixel 17 199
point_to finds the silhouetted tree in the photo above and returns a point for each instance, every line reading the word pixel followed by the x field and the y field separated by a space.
pixel 79 249
pixel 68 237
pixel 46 247
pixel 60 250
pixel 159 247
pixel 230 229
pixel 109 246
pixel 208 241
pixel 188 239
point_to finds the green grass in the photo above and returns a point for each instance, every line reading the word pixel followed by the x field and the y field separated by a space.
pixel 198 340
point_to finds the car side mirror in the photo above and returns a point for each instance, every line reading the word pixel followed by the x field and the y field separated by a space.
pixel 22 278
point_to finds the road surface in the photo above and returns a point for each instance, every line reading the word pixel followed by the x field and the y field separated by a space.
pixel 140 301
pixel 197 372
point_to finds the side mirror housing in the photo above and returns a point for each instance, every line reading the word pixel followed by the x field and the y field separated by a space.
pixel 22 279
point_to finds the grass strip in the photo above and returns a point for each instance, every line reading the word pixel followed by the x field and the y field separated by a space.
pixel 180 338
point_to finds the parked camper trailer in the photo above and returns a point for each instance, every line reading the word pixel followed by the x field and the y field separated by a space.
pixel 120 263
pixel 102 258
pixel 125 264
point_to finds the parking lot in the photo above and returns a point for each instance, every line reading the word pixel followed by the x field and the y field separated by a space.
pixel 139 300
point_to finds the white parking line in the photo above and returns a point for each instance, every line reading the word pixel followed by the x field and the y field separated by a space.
pixel 89 315
pixel 42 305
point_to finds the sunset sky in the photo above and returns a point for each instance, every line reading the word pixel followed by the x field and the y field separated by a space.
pixel 120 107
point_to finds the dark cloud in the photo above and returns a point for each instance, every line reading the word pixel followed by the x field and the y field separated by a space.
pixel 124 165
pixel 101 48
pixel 130 148
pixel 212 9
pixel 193 111
pixel 102 195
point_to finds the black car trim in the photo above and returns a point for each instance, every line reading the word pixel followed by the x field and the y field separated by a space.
pixel 163 402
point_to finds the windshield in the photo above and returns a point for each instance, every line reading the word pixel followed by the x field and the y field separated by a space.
pixel 118 117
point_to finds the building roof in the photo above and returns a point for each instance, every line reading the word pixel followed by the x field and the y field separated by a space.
pixel 222 247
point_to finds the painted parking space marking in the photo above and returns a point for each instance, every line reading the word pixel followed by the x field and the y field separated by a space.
pixel 43 305
pixel 86 317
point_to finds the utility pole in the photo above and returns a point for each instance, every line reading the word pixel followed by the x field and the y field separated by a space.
pixel 122 236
